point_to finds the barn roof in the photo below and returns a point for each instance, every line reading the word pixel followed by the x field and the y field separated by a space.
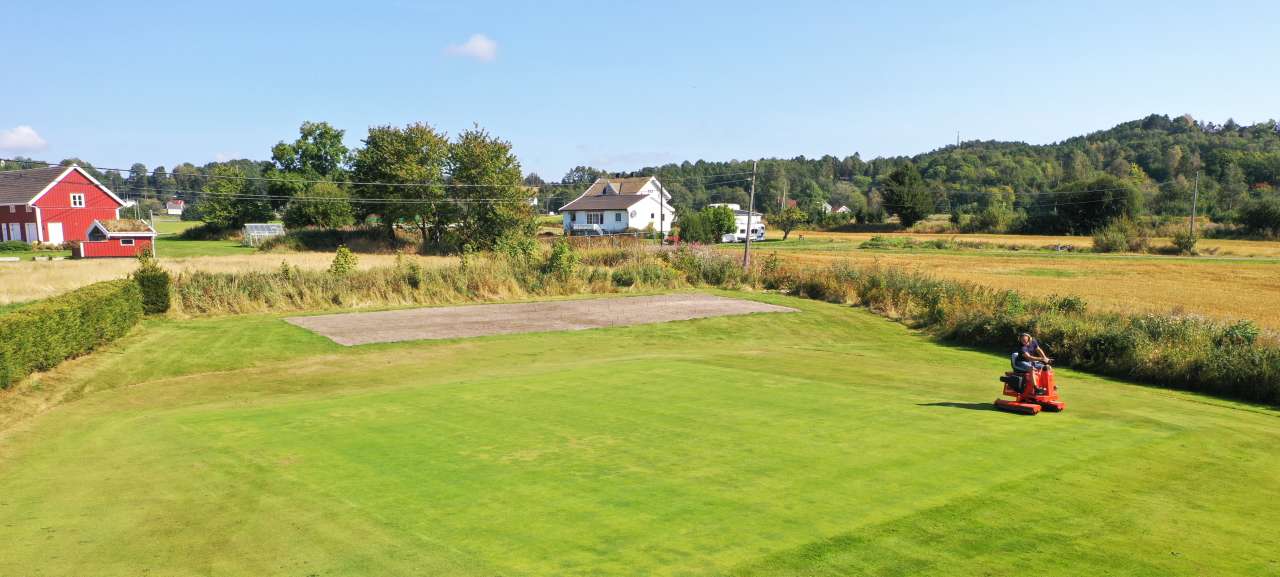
pixel 20 186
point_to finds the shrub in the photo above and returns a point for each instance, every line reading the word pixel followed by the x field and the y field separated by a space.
pixel 209 231
pixel 1120 235
pixel 562 261
pixel 1184 242
pixel 14 246
pixel 42 334
pixel 344 261
pixel 153 281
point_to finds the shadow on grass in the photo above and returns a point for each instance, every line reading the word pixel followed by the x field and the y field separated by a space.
pixel 954 405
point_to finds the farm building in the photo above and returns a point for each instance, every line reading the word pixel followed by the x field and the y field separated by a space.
pixel 54 204
pixel 175 207
pixel 614 205
pixel 115 238
pixel 741 217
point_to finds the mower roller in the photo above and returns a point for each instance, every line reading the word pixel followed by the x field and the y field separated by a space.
pixel 1032 391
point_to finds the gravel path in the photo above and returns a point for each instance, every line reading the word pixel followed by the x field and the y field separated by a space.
pixel 478 320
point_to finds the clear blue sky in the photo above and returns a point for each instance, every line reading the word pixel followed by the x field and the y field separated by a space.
pixel 619 85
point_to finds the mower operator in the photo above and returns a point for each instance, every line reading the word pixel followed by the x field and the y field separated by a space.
pixel 1030 355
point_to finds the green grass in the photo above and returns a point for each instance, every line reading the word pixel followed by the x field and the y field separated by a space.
pixel 168 245
pixel 32 254
pixel 828 442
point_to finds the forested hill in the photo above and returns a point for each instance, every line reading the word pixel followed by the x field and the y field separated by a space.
pixel 1159 154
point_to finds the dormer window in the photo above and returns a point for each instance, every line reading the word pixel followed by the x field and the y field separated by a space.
pixel 77 201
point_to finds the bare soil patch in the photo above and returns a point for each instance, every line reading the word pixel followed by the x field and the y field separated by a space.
pixel 479 320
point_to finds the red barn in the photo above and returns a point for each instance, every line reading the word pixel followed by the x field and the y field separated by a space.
pixel 54 204
pixel 122 237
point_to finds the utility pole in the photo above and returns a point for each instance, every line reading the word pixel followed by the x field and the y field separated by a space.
pixel 1195 197
pixel 751 208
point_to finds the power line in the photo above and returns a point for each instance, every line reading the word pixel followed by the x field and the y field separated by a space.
pixel 206 175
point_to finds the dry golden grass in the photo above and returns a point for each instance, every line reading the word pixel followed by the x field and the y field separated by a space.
pixel 1222 288
pixel 1221 247
pixel 30 280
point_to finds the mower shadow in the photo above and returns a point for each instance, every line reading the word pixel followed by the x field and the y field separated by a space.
pixel 954 405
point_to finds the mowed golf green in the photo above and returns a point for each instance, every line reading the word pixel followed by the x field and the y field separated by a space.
pixel 824 442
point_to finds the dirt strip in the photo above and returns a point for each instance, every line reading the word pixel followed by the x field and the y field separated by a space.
pixel 478 320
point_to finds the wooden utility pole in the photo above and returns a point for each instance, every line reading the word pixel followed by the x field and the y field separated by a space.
pixel 751 208
pixel 1195 197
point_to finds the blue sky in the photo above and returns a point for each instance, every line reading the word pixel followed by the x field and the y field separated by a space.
pixel 619 85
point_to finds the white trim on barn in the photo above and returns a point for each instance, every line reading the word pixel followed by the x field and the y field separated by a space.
pixel 88 176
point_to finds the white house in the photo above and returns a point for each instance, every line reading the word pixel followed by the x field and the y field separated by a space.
pixel 840 209
pixel 175 207
pixel 740 217
pixel 614 205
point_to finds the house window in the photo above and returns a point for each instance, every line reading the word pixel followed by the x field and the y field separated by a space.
pixel 651 216
pixel 595 218
pixel 617 217
pixel 573 217
pixel 77 201
pixel 126 242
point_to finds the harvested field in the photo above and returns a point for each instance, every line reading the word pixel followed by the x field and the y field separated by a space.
pixel 479 320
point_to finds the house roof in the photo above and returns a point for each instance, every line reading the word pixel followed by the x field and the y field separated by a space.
pixel 20 186
pixel 124 227
pixel 604 202
pixel 176 202
pixel 630 185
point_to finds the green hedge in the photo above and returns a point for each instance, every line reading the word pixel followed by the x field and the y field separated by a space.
pixel 42 334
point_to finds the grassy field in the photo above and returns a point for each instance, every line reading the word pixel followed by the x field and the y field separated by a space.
pixel 1223 287
pixel 826 442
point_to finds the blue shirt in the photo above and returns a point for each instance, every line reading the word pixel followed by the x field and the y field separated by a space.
pixel 1029 349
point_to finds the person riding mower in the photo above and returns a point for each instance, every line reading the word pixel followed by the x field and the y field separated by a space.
pixel 1030 382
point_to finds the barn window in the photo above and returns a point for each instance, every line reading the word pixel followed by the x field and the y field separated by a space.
pixel 77 201
pixel 126 242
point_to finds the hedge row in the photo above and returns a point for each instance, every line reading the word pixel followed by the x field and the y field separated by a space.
pixel 40 335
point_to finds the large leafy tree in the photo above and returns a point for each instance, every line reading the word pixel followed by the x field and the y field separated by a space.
pixel 400 174
pixel 493 201
pixel 906 195
pixel 788 220
pixel 228 200
pixel 323 204
pixel 1084 205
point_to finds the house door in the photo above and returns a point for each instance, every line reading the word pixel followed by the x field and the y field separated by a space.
pixel 55 232
pixel 31 232
pixel 15 231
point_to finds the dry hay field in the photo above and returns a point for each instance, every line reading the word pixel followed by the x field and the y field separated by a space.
pixel 1219 247
pixel 1222 288
pixel 29 280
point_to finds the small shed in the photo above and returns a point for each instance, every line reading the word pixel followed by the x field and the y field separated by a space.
pixel 115 238
pixel 255 233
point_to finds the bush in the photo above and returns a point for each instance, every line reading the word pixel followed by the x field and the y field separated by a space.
pixel 359 239
pixel 210 231
pixel 14 246
pixel 344 261
pixel 1184 242
pixel 42 334
pixel 562 261
pixel 1120 235
pixel 153 281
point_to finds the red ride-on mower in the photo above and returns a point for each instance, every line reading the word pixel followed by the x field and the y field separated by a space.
pixel 1032 390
